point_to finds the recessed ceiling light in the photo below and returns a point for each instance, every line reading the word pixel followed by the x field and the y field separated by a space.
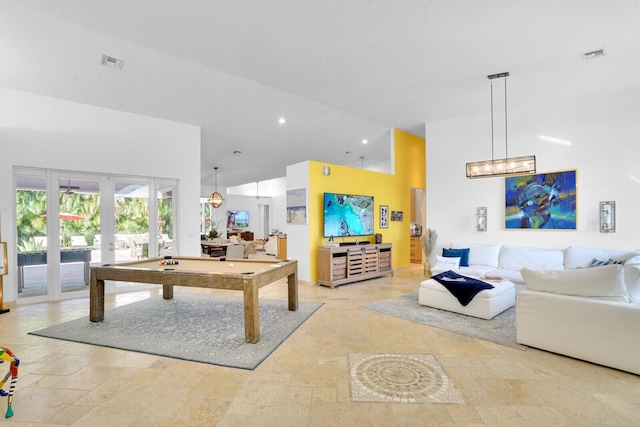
pixel 364 141
pixel 282 120
pixel 111 62
pixel 237 152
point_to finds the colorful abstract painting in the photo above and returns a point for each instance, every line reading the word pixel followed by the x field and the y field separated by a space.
pixel 543 201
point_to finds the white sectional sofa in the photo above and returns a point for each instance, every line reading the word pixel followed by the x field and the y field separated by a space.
pixel 505 261
pixel 565 305
pixel 590 314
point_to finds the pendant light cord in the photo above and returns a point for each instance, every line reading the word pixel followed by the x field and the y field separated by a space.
pixel 506 145
pixel 492 157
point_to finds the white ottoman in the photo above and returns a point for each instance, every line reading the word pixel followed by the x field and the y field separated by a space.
pixel 485 305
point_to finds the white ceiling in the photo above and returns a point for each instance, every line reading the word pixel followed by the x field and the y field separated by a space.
pixel 338 70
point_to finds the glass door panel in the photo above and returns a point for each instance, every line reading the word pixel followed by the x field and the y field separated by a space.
pixel 165 219
pixel 131 221
pixel 31 232
pixel 79 216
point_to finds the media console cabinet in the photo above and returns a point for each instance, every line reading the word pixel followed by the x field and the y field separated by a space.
pixel 347 264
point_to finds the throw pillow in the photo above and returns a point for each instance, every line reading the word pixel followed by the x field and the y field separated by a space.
pixel 606 282
pixel 463 254
pixel 448 263
pixel 600 263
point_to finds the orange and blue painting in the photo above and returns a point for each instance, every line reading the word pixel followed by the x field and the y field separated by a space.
pixel 542 201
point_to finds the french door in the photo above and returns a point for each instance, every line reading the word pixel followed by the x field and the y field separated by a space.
pixel 67 221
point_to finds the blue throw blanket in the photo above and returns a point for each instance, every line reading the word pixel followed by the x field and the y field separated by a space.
pixel 462 287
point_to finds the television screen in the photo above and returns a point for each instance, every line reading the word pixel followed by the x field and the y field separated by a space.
pixel 347 215
pixel 237 219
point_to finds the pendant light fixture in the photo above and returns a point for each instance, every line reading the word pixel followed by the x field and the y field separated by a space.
pixel 509 165
pixel 216 198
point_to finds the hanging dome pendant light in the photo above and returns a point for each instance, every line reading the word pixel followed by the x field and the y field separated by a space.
pixel 216 198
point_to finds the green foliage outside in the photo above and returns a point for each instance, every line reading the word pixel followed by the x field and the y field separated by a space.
pixel 131 217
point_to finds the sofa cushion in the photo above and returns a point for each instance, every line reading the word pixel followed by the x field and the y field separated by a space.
pixel 511 275
pixel 517 257
pixel 448 263
pixel 632 281
pixel 473 270
pixel 606 282
pixel 463 254
pixel 479 253
pixel 580 257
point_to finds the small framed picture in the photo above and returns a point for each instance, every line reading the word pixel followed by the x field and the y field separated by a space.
pixel 396 216
pixel 384 216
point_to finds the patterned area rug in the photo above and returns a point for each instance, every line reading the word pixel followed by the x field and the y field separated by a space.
pixel 500 330
pixel 198 327
pixel 400 378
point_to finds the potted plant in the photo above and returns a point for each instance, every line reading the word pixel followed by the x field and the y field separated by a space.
pixel 213 234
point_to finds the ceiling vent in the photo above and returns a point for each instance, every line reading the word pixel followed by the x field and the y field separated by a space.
pixel 111 62
pixel 593 54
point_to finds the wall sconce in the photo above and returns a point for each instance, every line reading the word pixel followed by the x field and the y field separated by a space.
pixel 607 217
pixel 481 216
pixel 326 170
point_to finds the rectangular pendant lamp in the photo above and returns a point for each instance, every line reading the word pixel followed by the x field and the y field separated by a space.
pixel 501 167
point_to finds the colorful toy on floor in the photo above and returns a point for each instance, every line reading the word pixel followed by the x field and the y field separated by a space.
pixel 169 262
pixel 6 354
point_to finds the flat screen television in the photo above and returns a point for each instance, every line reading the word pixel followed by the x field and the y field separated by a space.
pixel 237 219
pixel 347 215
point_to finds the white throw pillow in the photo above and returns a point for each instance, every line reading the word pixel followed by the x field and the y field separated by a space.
pixel 448 263
pixel 606 282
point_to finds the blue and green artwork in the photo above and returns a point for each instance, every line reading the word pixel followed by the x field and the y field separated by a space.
pixel 543 201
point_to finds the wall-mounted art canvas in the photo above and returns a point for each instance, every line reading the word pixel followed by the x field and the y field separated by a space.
pixel 542 201
pixel 297 206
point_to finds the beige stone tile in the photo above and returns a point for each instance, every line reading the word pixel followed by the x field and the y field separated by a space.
pixel 324 394
pixel 306 381
pixel 350 414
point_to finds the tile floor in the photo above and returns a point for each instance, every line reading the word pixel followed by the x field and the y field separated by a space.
pixel 306 381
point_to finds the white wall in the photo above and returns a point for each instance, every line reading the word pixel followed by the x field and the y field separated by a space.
pixel 44 132
pixel 604 132
pixel 298 241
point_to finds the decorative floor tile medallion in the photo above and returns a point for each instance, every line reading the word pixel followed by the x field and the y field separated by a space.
pixel 402 378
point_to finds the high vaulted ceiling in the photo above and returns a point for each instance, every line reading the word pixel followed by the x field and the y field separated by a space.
pixel 337 70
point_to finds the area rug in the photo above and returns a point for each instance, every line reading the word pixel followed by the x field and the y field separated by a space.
pixel 499 330
pixel 197 327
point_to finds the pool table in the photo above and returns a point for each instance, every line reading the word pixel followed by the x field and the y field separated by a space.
pixel 245 275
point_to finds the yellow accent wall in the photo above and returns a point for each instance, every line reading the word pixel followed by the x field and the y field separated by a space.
pixel 386 189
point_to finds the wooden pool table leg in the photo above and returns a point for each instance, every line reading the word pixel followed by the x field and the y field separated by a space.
pixel 292 280
pixel 251 313
pixel 167 291
pixel 96 299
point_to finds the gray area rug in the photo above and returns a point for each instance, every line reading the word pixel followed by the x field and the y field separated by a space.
pixel 500 330
pixel 197 327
